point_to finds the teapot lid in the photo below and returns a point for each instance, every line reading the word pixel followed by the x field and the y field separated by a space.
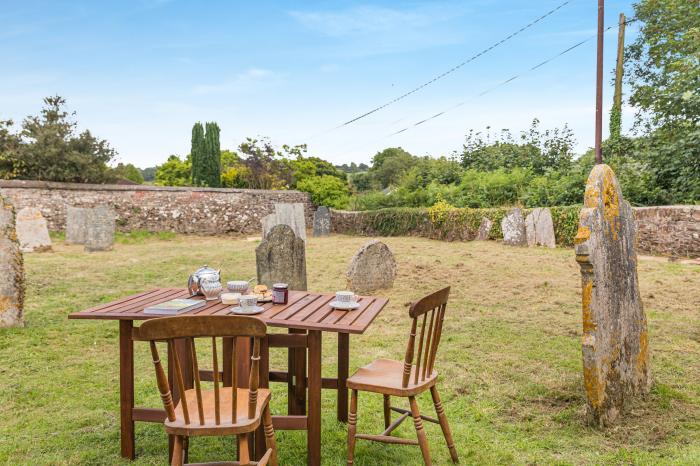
pixel 206 270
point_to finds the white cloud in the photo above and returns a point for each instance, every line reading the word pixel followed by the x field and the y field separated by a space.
pixel 242 82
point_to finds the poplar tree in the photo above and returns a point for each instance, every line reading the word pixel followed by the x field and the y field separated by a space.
pixel 197 153
pixel 211 167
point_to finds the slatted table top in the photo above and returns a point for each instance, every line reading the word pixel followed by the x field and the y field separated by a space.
pixel 304 310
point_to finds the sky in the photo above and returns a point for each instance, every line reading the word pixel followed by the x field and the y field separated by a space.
pixel 140 73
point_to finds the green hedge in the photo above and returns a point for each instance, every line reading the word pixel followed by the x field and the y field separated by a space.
pixel 446 223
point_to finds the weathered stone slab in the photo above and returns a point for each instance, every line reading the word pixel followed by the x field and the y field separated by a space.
pixel 76 224
pixel 616 364
pixel 484 229
pixel 513 228
pixel 322 221
pixel 539 228
pixel 11 270
pixel 32 231
pixel 286 214
pixel 372 268
pixel 281 258
pixel 100 228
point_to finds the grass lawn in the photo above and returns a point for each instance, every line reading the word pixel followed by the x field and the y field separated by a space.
pixel 509 361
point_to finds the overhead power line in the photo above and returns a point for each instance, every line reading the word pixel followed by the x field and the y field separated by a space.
pixel 456 67
pixel 507 81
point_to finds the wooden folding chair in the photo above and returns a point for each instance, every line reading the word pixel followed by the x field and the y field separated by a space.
pixel 406 379
pixel 212 412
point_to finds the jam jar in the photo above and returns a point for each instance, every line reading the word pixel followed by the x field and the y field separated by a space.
pixel 280 293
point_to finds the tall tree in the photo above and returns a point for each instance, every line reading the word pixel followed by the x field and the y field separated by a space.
pixel 49 148
pixel 211 165
pixel 197 152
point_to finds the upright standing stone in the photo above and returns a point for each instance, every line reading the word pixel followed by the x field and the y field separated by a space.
pixel 539 228
pixel 372 268
pixel 484 229
pixel 513 228
pixel 322 221
pixel 76 224
pixel 615 340
pixel 11 270
pixel 100 229
pixel 32 232
pixel 291 215
pixel 281 257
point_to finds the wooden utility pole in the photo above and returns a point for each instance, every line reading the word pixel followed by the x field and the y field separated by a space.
pixel 599 85
pixel 615 115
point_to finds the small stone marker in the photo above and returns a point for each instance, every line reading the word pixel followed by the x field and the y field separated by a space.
pixel 286 214
pixel 32 231
pixel 11 270
pixel 513 228
pixel 76 224
pixel 615 340
pixel 484 229
pixel 539 228
pixel 281 257
pixel 322 221
pixel 372 268
pixel 100 229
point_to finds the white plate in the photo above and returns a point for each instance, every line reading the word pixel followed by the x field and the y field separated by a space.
pixel 238 310
pixel 344 306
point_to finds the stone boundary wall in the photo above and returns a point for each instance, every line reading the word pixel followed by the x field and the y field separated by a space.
pixel 661 230
pixel 156 208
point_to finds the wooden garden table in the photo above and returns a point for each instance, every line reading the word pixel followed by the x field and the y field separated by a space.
pixel 306 316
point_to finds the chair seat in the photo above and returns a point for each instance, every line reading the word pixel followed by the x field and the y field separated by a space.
pixel 385 375
pixel 241 425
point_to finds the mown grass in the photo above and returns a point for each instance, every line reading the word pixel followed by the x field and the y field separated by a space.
pixel 510 358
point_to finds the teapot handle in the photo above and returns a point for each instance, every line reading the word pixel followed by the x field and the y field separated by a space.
pixel 190 283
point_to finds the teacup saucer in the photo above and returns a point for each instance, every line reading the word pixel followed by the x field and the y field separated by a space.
pixel 247 311
pixel 345 306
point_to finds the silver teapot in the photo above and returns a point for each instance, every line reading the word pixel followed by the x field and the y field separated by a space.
pixel 205 273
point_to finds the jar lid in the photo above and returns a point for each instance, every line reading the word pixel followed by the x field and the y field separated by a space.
pixel 280 285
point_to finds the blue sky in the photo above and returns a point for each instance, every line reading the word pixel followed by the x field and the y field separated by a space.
pixel 140 73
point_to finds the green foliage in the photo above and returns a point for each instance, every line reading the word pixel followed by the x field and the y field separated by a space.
pixel 265 166
pixel 443 221
pixel 128 172
pixel 389 165
pixel 211 163
pixel 174 172
pixel 49 148
pixel 149 174
pixel 197 154
pixel 326 190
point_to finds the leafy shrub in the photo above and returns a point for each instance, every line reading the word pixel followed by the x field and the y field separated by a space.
pixel 326 190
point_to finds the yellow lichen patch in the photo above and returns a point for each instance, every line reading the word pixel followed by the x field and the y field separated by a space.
pixel 643 355
pixel 589 324
pixel 611 202
pixel 5 304
pixel 594 385
pixel 582 234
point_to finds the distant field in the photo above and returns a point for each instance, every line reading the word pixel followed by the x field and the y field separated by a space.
pixel 510 358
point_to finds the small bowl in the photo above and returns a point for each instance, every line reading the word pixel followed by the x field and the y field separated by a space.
pixel 238 286
pixel 230 298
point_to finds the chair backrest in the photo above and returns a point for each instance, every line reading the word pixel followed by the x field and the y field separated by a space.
pixel 432 310
pixel 167 329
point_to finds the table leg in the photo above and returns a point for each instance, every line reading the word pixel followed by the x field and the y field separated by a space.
pixel 343 369
pixel 126 389
pixel 314 412
pixel 296 387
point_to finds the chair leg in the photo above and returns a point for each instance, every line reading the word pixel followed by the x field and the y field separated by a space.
pixel 418 422
pixel 177 452
pixel 387 411
pixel 186 450
pixel 352 427
pixel 270 435
pixel 443 424
pixel 243 452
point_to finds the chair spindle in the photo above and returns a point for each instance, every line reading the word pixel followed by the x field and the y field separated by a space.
pixel 180 381
pixel 163 385
pixel 234 382
pixel 197 381
pixel 215 363
pixel 420 350
pixel 427 344
pixel 408 360
pixel 254 378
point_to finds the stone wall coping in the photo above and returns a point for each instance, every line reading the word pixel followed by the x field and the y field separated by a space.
pixel 53 185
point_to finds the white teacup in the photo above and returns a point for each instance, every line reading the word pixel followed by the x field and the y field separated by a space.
pixel 345 297
pixel 248 301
